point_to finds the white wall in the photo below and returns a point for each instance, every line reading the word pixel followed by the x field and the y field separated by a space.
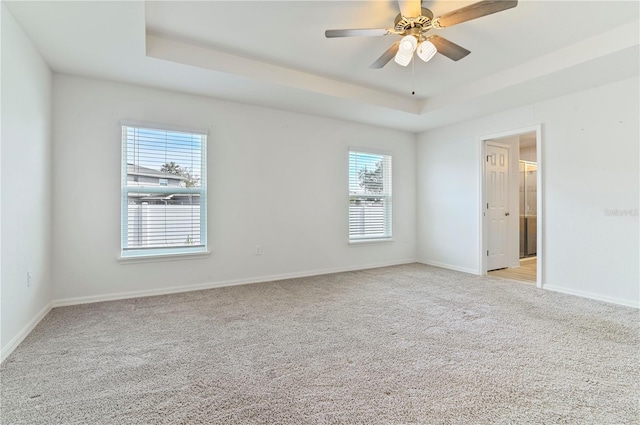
pixel 528 153
pixel 590 164
pixel 25 184
pixel 275 178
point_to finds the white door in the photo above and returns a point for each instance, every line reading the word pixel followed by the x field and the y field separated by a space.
pixel 497 212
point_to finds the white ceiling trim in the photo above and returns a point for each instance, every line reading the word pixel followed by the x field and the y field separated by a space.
pixel 182 52
pixel 596 47
pixel 601 45
pixel 192 48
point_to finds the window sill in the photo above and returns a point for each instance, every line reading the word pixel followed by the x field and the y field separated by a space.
pixel 152 258
pixel 357 242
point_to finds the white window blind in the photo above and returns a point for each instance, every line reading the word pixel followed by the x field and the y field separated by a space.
pixel 164 193
pixel 370 200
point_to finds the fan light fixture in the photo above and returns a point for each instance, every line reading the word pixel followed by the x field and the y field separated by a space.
pixel 408 45
pixel 426 50
pixel 414 21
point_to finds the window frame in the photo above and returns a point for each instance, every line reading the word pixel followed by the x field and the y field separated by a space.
pixel 387 195
pixel 159 253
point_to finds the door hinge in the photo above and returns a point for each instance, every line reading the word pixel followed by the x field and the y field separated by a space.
pixel 488 156
pixel 487 205
pixel 487 252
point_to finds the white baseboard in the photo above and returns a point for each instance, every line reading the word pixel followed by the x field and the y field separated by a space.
pixel 593 296
pixel 211 285
pixel 16 340
pixel 449 267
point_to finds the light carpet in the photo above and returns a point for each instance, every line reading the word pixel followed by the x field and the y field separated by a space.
pixel 408 344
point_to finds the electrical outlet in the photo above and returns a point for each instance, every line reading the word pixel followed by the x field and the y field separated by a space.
pixel 258 249
pixel 29 278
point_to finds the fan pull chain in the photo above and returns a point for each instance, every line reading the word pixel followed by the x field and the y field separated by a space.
pixel 413 80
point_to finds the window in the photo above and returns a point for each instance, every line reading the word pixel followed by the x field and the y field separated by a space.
pixel 369 196
pixel 164 193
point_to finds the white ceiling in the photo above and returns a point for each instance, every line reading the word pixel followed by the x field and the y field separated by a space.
pixel 274 53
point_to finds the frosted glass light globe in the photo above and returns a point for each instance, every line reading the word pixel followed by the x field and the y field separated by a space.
pixel 426 51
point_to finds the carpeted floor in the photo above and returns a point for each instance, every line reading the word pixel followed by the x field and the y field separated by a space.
pixel 408 344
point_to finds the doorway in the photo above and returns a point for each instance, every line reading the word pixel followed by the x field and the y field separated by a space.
pixel 511 213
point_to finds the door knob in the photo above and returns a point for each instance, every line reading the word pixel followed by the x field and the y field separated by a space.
pixel 506 213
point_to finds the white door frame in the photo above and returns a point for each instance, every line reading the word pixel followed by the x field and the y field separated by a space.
pixel 482 199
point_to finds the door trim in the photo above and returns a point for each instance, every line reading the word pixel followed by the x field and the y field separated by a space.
pixel 482 237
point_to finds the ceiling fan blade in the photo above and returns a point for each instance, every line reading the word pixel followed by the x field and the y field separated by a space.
pixel 448 48
pixel 386 56
pixel 473 11
pixel 410 8
pixel 357 33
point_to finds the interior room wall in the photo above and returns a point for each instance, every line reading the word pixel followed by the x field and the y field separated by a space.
pixel 528 153
pixel 25 185
pixel 278 179
pixel 590 195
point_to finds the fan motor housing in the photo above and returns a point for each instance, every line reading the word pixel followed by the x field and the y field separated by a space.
pixel 402 24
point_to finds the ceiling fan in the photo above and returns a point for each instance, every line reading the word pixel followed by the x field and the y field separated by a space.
pixel 414 21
